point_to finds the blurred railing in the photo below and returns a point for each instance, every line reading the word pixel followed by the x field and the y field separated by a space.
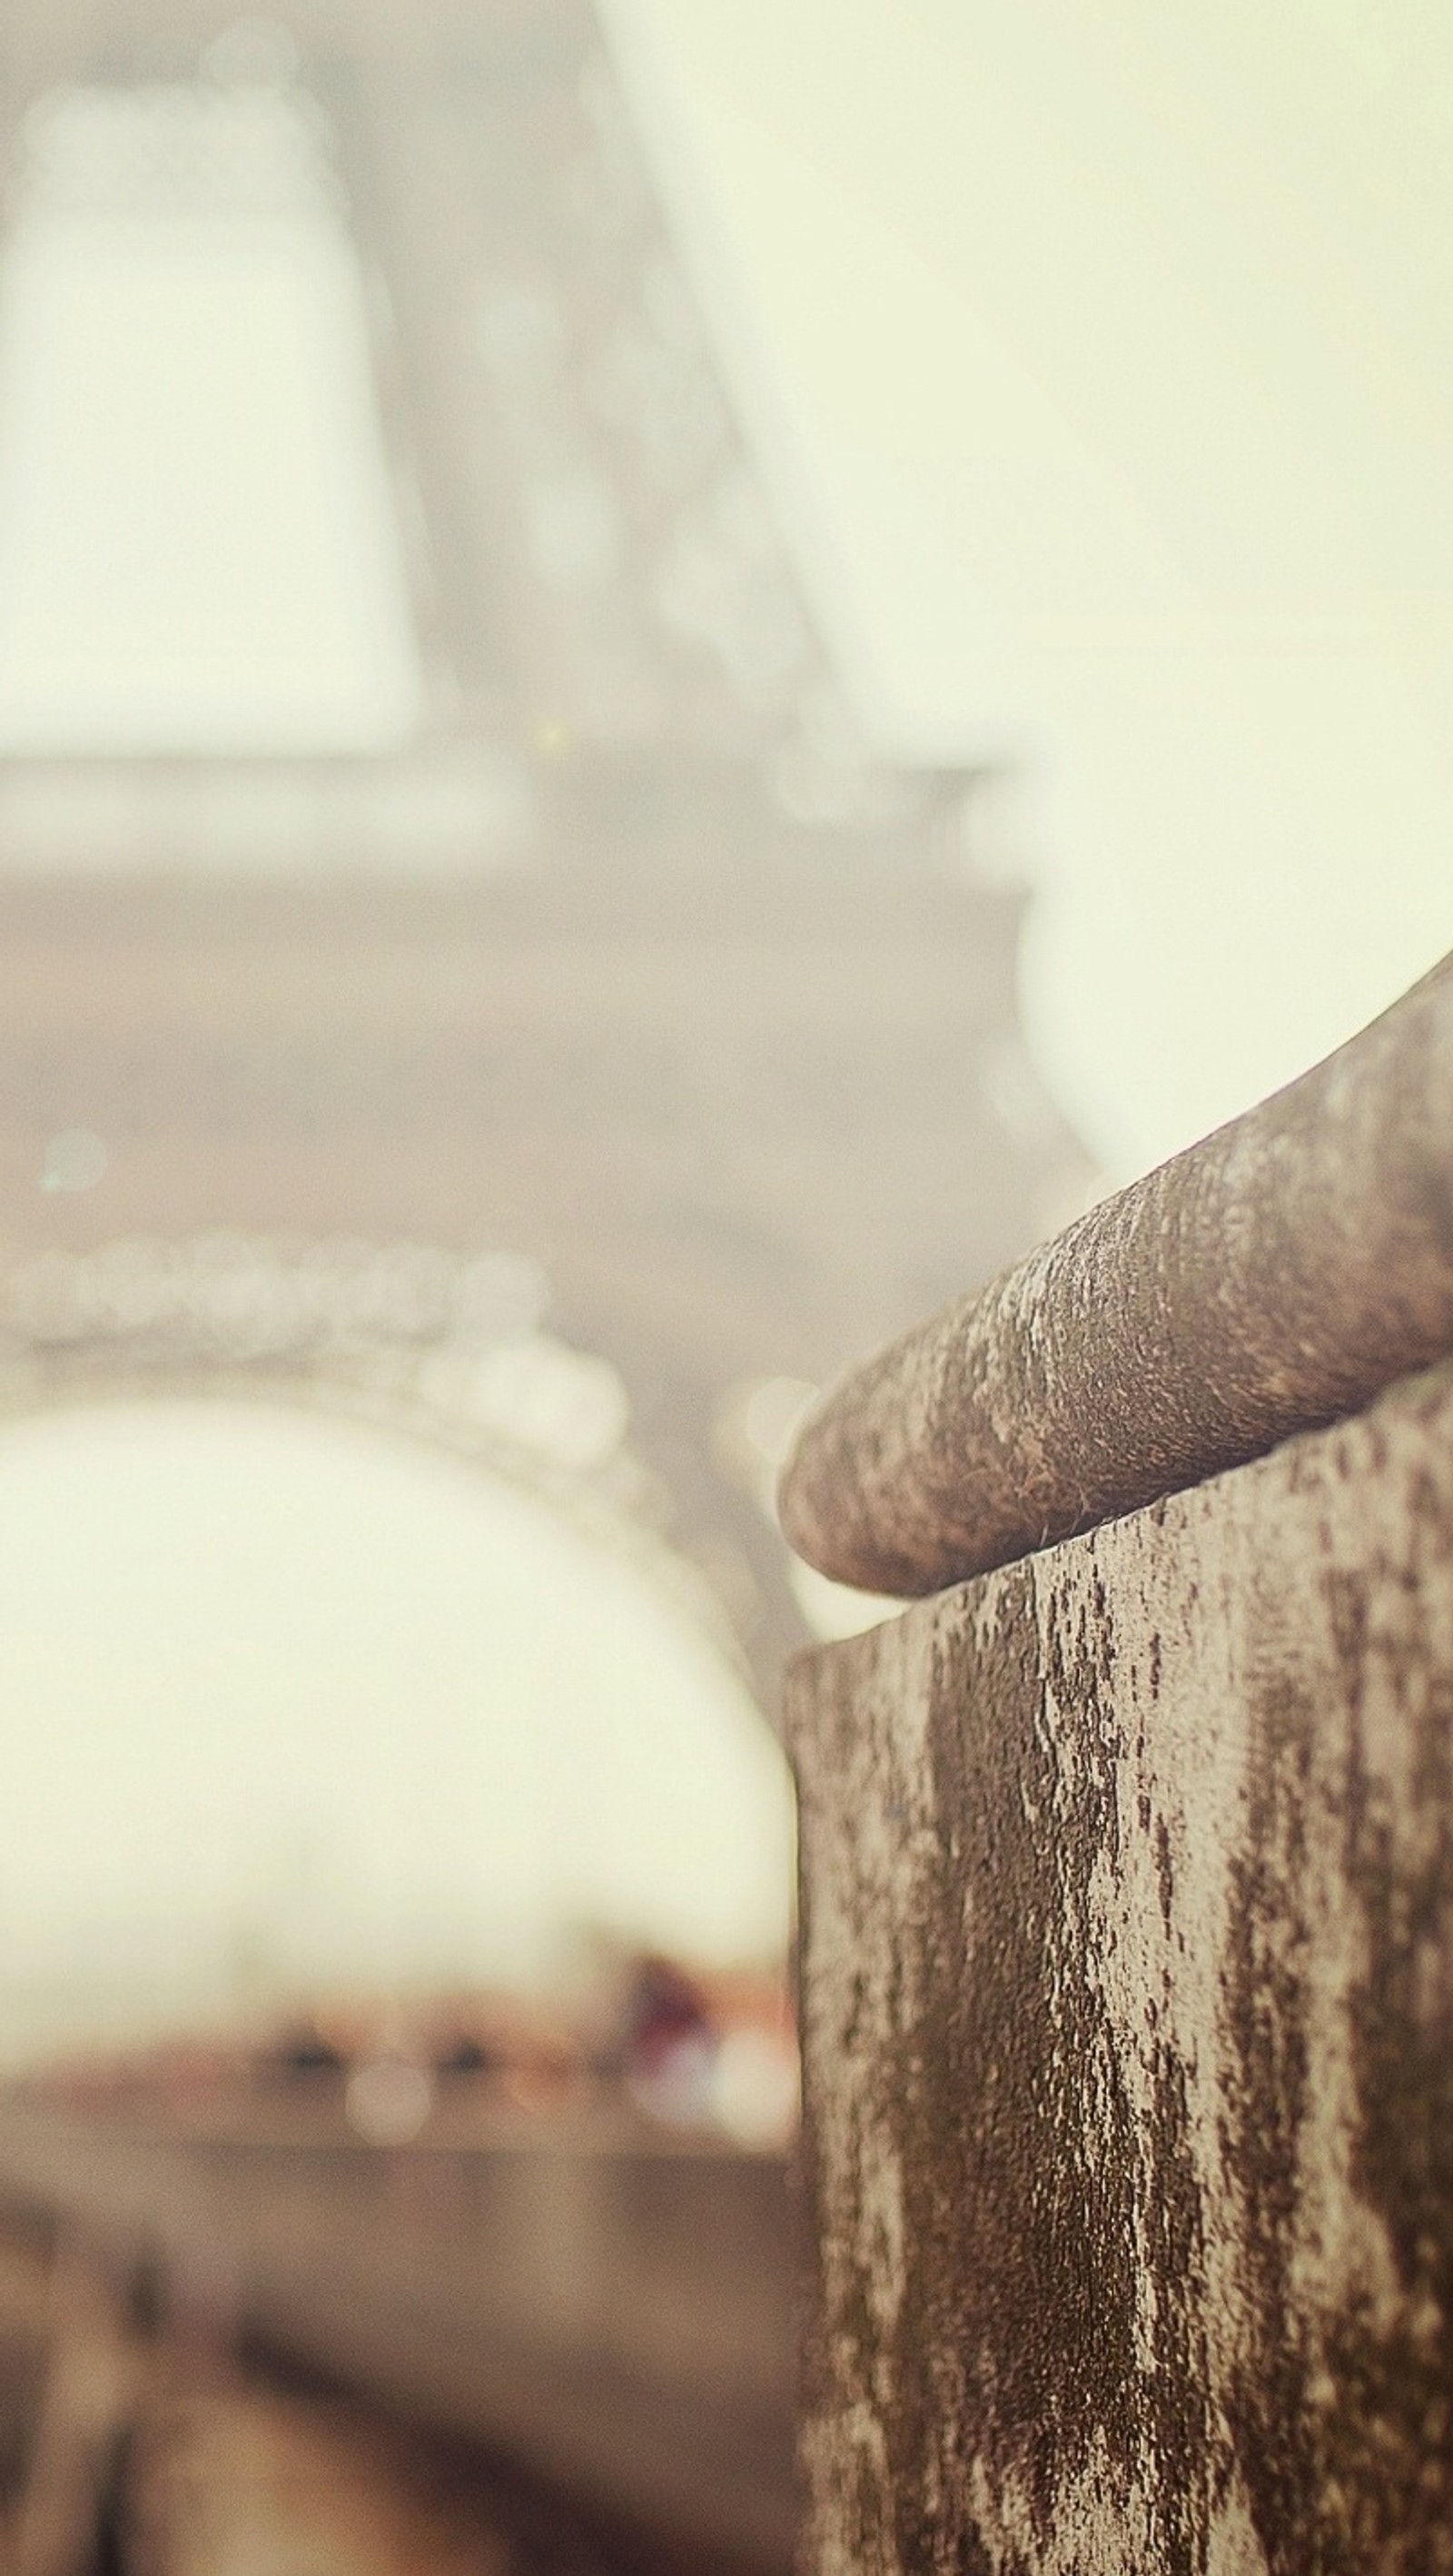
pixel 1127 1942
pixel 609 2312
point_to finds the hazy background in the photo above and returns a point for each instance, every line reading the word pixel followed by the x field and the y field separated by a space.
pixel 291 1707
pixel 1104 351
pixel 1099 360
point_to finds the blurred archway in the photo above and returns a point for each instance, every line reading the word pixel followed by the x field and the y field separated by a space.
pixel 310 1703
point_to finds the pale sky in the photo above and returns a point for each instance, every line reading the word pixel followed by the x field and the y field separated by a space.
pixel 287 1700
pixel 199 548
pixel 1103 350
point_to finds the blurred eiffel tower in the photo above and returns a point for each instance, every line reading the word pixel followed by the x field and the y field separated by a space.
pixel 625 953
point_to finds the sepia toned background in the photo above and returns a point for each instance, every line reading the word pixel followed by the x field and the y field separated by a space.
pixel 668 680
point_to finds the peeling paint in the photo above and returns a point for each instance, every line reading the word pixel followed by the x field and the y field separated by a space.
pixel 1128 2023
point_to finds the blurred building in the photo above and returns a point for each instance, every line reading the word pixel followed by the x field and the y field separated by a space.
pixel 572 989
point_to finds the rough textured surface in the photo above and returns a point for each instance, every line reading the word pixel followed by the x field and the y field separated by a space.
pixel 1128 1992
pixel 1273 1277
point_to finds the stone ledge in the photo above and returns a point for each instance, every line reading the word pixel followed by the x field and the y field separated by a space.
pixel 1128 2019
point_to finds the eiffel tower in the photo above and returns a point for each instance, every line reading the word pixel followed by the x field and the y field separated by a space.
pixel 626 963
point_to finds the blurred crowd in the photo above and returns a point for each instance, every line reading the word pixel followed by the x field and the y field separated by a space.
pixel 664 2046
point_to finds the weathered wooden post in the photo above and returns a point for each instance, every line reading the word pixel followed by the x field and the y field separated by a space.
pixel 1128 1877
